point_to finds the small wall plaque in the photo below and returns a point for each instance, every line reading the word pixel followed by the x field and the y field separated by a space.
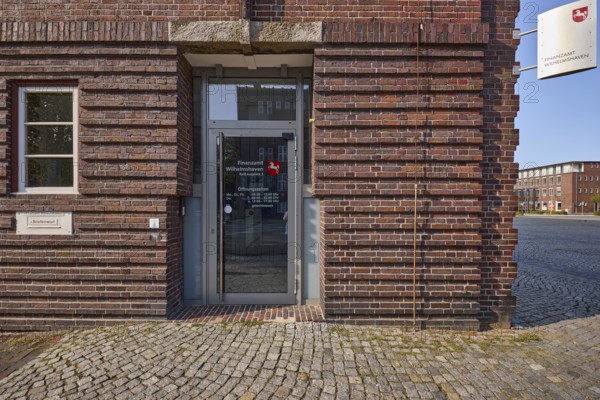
pixel 44 223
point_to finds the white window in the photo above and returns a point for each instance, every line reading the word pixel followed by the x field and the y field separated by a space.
pixel 558 191
pixel 558 180
pixel 579 190
pixel 282 182
pixel 544 192
pixel 551 192
pixel 47 140
pixel 282 153
pixel 585 190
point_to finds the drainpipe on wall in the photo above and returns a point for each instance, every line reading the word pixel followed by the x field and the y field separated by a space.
pixel 419 27
pixel 244 9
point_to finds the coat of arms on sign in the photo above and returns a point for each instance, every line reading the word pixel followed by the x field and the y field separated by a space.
pixel 580 14
pixel 273 167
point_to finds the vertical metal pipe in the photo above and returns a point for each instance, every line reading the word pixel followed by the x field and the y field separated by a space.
pixel 416 185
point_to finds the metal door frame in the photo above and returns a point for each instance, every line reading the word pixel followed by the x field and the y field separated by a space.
pixel 209 223
pixel 213 257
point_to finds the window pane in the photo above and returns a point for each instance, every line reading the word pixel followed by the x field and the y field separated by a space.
pixel 53 172
pixel 197 154
pixel 252 99
pixel 49 107
pixel 50 139
pixel 307 115
pixel 197 133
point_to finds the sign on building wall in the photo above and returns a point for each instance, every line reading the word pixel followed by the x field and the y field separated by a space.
pixel 44 223
pixel 567 39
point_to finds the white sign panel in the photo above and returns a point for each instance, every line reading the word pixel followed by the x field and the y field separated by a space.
pixel 567 39
pixel 46 223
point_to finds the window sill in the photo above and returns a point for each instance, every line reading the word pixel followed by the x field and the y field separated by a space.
pixel 51 191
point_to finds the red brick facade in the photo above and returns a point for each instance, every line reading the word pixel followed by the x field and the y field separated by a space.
pixel 378 127
pixel 567 187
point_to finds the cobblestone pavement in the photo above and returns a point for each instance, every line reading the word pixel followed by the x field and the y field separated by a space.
pixel 312 360
pixel 559 269
pixel 557 356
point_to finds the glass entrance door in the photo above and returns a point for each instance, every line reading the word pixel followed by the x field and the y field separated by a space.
pixel 254 216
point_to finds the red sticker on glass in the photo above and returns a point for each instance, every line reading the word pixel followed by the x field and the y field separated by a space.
pixel 273 167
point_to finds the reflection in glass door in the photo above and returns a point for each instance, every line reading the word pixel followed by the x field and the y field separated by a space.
pixel 255 261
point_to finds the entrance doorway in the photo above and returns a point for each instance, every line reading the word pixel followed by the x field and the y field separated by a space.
pixel 246 220
pixel 252 197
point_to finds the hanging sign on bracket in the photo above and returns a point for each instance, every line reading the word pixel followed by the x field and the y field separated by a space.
pixel 567 39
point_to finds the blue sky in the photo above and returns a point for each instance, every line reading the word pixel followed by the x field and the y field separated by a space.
pixel 559 118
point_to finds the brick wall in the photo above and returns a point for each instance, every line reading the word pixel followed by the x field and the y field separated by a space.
pixel 499 171
pixel 133 131
pixel 112 10
pixel 219 10
pixel 354 10
pixel 571 185
pixel 370 126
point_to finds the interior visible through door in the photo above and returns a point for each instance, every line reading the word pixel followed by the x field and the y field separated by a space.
pixel 254 215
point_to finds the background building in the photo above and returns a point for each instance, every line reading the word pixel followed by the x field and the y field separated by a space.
pixel 159 154
pixel 566 187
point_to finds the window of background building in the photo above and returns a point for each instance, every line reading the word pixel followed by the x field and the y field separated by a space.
pixel 558 191
pixel 551 192
pixel 47 147
pixel 544 192
pixel 537 182
pixel 551 181
pixel 579 178
pixel 579 190
pixel 544 181
pixel 558 180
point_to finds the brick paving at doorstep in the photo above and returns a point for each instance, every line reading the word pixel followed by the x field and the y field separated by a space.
pixel 257 360
pixel 248 313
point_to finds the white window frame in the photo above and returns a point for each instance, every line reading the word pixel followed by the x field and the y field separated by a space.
pixel 22 139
